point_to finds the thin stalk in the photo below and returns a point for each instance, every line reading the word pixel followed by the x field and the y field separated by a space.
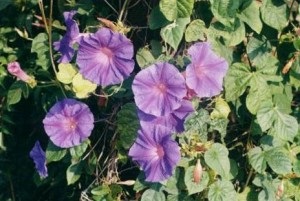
pixel 50 37
pixel 12 189
pixel 41 5
pixel 123 10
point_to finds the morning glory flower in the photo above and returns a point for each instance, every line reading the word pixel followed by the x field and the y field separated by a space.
pixel 174 121
pixel 159 89
pixel 68 123
pixel 206 71
pixel 39 158
pixel 156 152
pixel 65 45
pixel 15 69
pixel 105 57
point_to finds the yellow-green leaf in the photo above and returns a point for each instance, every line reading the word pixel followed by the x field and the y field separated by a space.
pixel 82 87
pixel 221 110
pixel 66 73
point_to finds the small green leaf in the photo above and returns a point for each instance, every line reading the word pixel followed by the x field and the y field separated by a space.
pixel 54 153
pixel 193 187
pixel 196 30
pixel 296 167
pixel 231 36
pixel 275 16
pixel 283 125
pixel 248 194
pixel 40 46
pixel 219 125
pixel 222 191
pixel 251 16
pixel 259 92
pixel 185 8
pixel 14 95
pixel 66 73
pixel 198 123
pixel 224 10
pixel 278 160
pixel 296 43
pixel 237 80
pixel 101 191
pixel 217 159
pixel 151 195
pixel 173 9
pixel 74 172
pixel 169 9
pixel 157 19
pixel 127 116
pixel 256 48
pixel 144 57
pixel 266 115
pixel 286 126
pixel 221 109
pixel 77 151
pixel 294 73
pixel 176 183
pixel 173 33
pixel 257 159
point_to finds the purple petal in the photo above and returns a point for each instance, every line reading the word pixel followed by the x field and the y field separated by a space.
pixel 173 121
pixel 39 158
pixel 65 45
pixel 206 72
pixel 156 152
pixel 68 123
pixel 105 57
pixel 159 89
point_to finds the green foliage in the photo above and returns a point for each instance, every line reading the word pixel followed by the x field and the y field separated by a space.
pixel 127 116
pixel 40 46
pixel 248 144
pixel 195 31
pixel 173 33
pixel 217 159
pixel 176 8
pixel 221 191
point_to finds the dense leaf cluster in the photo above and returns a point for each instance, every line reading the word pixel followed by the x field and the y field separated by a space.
pixel 247 139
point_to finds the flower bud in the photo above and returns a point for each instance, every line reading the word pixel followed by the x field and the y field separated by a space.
pixel 198 172
pixel 14 68
pixel 280 190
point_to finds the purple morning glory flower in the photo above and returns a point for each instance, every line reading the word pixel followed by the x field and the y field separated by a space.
pixel 159 89
pixel 39 158
pixel 174 121
pixel 68 123
pixel 65 45
pixel 105 57
pixel 206 71
pixel 156 152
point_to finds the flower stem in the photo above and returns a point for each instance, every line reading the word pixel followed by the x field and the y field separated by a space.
pixel 123 10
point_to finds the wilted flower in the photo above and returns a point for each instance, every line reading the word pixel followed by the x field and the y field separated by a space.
pixel 174 121
pixel 206 71
pixel 68 123
pixel 105 57
pixel 14 68
pixel 39 158
pixel 159 89
pixel 156 152
pixel 65 45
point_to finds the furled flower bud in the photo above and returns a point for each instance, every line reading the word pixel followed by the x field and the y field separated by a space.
pixel 280 190
pixel 198 172
pixel 14 68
